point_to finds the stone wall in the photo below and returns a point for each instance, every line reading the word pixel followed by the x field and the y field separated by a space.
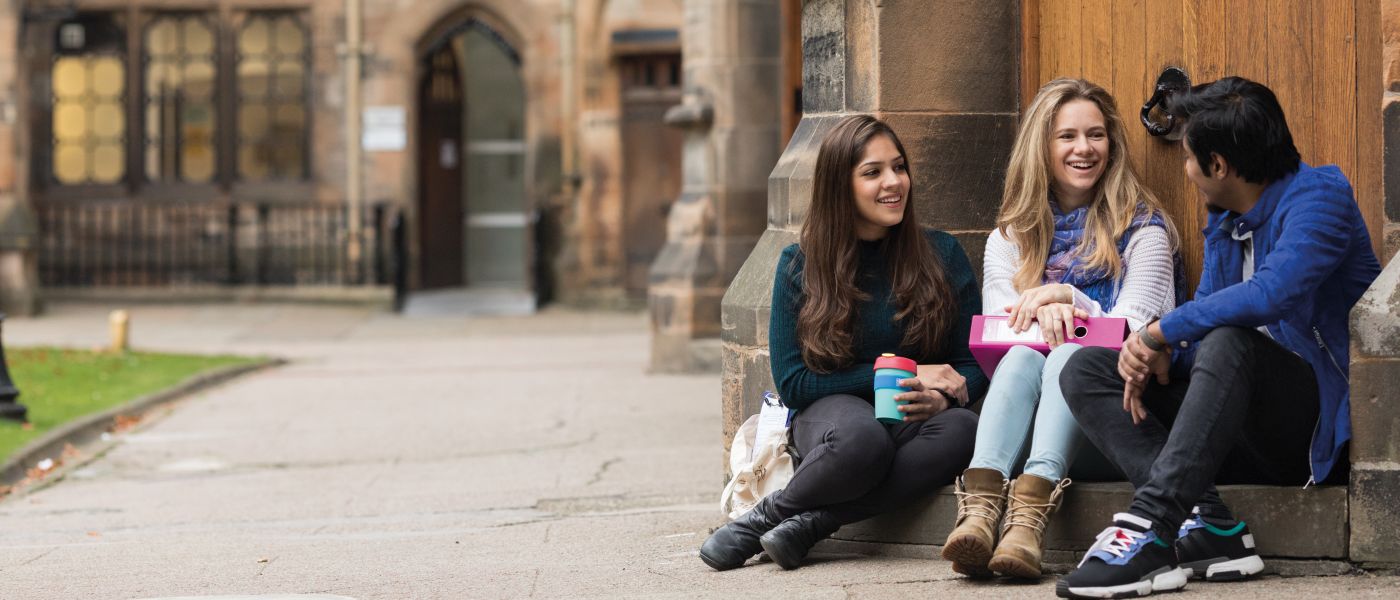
pixel 731 114
pixel 19 278
pixel 948 86
pixel 591 268
pixel 1375 363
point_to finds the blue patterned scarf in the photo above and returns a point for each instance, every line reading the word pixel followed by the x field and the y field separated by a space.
pixel 1065 264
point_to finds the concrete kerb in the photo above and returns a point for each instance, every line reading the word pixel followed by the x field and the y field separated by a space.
pixel 85 430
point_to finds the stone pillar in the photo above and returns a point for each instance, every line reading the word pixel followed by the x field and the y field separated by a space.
pixel 731 113
pixel 19 274
pixel 1375 422
pixel 944 74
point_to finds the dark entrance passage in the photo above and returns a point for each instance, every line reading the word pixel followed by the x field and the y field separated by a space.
pixel 440 171
pixel 474 217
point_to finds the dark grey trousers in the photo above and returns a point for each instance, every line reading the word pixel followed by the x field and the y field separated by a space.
pixel 856 467
pixel 1245 415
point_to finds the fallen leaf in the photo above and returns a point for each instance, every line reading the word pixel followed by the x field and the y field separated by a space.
pixel 27 426
pixel 124 422
pixel 70 452
pixel 94 534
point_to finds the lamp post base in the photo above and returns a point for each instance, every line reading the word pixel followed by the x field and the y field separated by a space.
pixel 13 411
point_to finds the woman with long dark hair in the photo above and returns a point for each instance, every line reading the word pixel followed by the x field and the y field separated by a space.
pixel 864 279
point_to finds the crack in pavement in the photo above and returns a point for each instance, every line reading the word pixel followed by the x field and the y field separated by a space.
pixel 598 475
pixel 41 555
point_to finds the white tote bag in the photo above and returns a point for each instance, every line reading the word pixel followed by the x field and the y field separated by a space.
pixel 759 462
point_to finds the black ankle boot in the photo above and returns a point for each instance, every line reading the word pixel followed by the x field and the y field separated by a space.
pixel 789 542
pixel 737 541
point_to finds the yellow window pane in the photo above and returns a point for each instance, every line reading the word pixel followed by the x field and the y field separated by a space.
pixel 197 123
pixel 251 163
pixel 161 40
pixel 199 79
pixel 153 123
pixel 107 76
pixel 107 163
pixel 70 121
pixel 153 162
pixel 290 118
pixel 199 39
pixel 69 163
pixel 290 82
pixel 107 120
pixel 198 162
pixel 160 77
pixel 70 77
pixel 252 78
pixel 287 157
pixel 253 38
pixel 290 39
pixel 252 121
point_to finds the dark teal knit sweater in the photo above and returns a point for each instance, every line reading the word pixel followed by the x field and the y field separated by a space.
pixel 876 330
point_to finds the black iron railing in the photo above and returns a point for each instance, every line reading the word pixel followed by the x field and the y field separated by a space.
pixel 133 244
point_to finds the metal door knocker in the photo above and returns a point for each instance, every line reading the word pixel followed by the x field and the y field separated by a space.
pixel 1171 81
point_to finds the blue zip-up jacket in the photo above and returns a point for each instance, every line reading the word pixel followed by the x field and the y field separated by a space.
pixel 1313 261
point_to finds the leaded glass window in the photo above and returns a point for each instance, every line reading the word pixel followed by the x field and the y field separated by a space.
pixel 273 51
pixel 181 112
pixel 88 85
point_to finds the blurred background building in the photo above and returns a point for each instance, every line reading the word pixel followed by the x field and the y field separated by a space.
pixel 225 148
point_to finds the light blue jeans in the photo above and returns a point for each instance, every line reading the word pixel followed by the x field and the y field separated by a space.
pixel 1025 391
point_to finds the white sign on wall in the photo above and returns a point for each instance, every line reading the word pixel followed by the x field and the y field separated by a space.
pixel 385 129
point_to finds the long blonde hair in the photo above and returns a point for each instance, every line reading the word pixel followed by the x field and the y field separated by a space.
pixel 1025 217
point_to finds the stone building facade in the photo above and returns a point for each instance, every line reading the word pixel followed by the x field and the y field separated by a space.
pixel 521 142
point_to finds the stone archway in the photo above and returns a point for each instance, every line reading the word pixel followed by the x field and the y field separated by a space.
pixel 483 249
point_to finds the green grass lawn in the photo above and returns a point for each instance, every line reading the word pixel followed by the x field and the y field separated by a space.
pixel 61 385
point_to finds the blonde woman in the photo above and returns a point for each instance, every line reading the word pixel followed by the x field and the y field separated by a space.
pixel 1077 236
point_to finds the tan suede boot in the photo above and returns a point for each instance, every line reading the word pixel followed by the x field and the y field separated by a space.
pixel 981 499
pixel 1033 500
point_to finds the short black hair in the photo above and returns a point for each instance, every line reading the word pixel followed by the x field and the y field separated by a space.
pixel 1242 121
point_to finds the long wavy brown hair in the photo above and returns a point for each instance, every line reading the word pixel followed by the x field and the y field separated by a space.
pixel 1025 217
pixel 924 299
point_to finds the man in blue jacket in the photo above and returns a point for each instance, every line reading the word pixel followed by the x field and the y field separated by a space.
pixel 1246 383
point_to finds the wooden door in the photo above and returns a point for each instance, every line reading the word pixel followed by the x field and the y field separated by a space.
pixel 1320 57
pixel 651 160
pixel 440 172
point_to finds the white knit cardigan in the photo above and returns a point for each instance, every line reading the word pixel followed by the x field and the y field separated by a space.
pixel 1146 291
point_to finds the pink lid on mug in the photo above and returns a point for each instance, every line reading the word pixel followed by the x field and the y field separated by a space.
pixel 890 361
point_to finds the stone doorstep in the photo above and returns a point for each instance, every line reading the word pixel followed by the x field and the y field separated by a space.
pixel 1287 522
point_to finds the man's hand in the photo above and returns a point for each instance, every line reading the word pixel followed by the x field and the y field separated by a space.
pixel 1137 362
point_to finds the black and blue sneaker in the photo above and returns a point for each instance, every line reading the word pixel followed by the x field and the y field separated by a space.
pixel 1215 552
pixel 1127 560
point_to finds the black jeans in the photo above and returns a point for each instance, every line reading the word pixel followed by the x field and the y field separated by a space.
pixel 856 468
pixel 1246 415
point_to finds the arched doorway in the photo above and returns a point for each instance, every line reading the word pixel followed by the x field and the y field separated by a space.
pixel 473 220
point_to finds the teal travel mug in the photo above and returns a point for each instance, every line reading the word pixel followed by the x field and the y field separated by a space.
pixel 889 369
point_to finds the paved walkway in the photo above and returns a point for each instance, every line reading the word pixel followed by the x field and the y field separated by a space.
pixel 426 458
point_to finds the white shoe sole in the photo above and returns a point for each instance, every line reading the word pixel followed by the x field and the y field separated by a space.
pixel 1230 570
pixel 1168 581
